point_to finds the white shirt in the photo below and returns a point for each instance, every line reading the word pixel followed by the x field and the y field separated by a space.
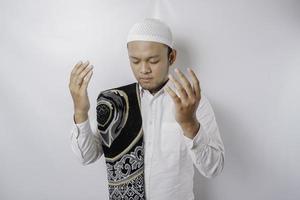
pixel 168 154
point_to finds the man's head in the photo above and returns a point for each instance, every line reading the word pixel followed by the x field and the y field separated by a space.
pixel 150 52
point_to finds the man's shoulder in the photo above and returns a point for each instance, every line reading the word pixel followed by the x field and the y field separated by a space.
pixel 126 87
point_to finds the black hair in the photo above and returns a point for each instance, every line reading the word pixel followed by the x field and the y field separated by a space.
pixel 169 51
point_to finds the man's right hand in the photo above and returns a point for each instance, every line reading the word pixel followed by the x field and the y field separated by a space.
pixel 79 80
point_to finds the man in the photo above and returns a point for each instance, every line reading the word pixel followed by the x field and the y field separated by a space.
pixel 171 123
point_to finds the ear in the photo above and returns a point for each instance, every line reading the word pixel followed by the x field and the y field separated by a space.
pixel 172 57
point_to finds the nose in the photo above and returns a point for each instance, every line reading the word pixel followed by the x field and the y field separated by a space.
pixel 145 68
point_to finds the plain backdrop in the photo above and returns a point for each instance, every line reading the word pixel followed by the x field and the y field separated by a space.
pixel 246 54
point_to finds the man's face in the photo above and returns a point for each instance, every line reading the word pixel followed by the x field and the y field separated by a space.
pixel 149 63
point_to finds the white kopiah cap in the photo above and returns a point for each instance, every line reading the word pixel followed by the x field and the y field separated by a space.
pixel 151 29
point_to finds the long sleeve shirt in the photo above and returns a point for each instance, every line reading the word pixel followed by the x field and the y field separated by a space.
pixel 169 156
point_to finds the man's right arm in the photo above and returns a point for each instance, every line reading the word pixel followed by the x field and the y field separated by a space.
pixel 86 141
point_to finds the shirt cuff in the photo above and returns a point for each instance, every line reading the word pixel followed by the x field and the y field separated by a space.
pixel 82 128
pixel 199 138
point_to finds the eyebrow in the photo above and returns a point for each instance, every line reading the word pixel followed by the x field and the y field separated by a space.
pixel 147 58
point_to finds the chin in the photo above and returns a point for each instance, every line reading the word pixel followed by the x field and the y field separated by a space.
pixel 147 86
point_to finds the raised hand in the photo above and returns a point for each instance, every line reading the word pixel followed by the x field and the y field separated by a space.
pixel 187 102
pixel 80 77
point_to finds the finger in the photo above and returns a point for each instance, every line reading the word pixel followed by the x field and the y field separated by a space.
pixel 76 67
pixel 77 78
pixel 173 94
pixel 86 80
pixel 186 83
pixel 196 84
pixel 73 72
pixel 84 72
pixel 82 67
pixel 179 87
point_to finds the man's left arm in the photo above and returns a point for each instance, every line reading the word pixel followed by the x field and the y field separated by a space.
pixel 204 143
pixel 195 115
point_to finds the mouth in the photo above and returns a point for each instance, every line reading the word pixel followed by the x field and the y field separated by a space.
pixel 145 79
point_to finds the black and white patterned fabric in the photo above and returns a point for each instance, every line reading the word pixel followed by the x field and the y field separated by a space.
pixel 119 121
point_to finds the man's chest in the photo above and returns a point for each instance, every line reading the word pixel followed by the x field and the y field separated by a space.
pixel 163 136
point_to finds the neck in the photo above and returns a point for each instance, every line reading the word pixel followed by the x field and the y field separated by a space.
pixel 154 91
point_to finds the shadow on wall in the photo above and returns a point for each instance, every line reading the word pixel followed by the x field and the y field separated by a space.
pixel 183 60
pixel 237 166
pixel 204 187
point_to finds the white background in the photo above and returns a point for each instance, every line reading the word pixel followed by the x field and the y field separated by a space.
pixel 246 54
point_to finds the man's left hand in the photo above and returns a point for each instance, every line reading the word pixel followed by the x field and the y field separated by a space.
pixel 187 102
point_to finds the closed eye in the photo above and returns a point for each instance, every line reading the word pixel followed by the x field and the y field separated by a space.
pixel 154 62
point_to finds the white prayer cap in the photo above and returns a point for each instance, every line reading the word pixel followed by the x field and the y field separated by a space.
pixel 151 29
